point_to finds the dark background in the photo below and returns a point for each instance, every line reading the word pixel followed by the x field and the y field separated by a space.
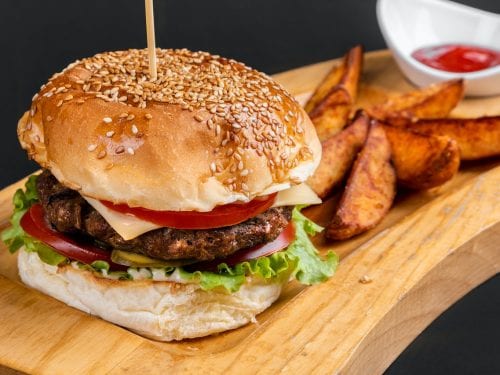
pixel 38 38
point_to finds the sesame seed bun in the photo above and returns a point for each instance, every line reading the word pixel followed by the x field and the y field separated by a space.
pixel 208 131
pixel 160 310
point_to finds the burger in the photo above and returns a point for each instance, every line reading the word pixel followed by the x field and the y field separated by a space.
pixel 171 206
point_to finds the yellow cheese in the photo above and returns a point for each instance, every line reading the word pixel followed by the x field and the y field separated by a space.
pixel 298 194
pixel 129 226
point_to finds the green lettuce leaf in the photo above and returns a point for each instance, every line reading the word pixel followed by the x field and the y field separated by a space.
pixel 15 237
pixel 300 260
pixel 45 252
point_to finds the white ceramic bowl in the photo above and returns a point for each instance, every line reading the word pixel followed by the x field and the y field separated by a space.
pixel 408 25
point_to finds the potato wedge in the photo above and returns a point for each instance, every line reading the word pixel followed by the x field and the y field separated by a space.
pixel 338 155
pixel 332 114
pixel 370 189
pixel 422 161
pixel 476 138
pixel 331 103
pixel 433 101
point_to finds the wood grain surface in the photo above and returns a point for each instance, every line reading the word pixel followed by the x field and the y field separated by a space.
pixel 392 282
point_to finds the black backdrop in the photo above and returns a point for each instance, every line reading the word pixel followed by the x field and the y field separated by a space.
pixel 38 38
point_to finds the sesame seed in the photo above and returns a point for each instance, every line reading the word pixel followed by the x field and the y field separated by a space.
pixel 365 279
pixel 130 150
pixel 110 133
pixel 91 148
pixel 101 154
pixel 213 167
pixel 49 118
pixel 59 103
pixel 244 172
pixel 120 150
pixel 107 120
pixel 244 105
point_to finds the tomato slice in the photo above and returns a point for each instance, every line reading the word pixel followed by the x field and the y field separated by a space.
pixel 281 242
pixel 34 224
pixel 220 216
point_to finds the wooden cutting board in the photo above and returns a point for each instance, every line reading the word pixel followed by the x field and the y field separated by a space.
pixel 429 251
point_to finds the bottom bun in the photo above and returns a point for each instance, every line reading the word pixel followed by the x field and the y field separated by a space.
pixel 160 310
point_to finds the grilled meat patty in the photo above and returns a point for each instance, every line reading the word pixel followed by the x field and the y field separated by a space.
pixel 68 212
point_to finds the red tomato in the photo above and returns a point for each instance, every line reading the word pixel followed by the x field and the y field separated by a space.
pixel 220 216
pixel 282 241
pixel 34 224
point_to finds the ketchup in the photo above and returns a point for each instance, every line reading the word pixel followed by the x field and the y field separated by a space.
pixel 457 57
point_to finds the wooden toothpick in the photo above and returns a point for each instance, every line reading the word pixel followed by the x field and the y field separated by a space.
pixel 150 30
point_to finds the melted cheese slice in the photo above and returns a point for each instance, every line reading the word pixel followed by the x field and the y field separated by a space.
pixel 297 194
pixel 127 226
pixel 130 227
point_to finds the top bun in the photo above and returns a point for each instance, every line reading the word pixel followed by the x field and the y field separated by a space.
pixel 208 131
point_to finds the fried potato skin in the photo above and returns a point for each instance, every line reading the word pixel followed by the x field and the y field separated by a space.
pixel 331 80
pixel 476 138
pixel 331 115
pixel 370 189
pixel 430 102
pixel 422 161
pixel 330 105
pixel 338 155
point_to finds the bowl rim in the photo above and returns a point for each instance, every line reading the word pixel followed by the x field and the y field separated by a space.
pixel 430 71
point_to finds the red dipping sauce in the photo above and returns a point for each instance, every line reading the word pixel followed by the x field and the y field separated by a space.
pixel 460 58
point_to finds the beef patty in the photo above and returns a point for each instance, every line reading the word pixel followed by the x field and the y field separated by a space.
pixel 68 212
